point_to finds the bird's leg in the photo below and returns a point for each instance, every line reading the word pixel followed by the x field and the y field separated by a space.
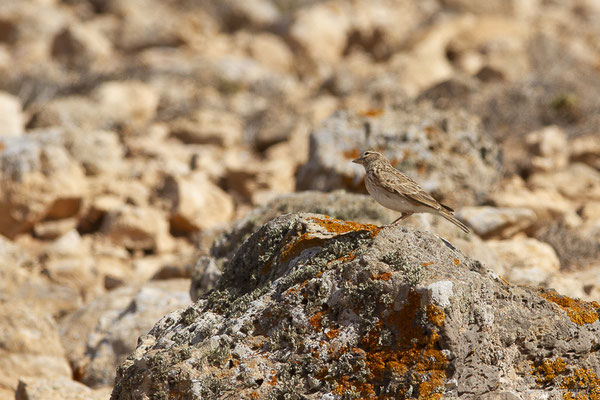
pixel 401 217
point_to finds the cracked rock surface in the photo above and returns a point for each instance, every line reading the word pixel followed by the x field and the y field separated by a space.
pixel 318 308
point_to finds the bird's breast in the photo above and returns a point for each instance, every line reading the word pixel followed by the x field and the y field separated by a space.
pixel 390 200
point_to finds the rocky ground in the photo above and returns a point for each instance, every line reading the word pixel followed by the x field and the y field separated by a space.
pixel 143 142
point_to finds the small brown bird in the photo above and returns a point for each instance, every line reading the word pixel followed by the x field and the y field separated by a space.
pixel 396 191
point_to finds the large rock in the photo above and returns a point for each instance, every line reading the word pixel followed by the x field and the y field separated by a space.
pixel 38 180
pixel 22 281
pixel 445 151
pixel 322 308
pixel 137 228
pixel 29 346
pixel 101 334
pixel 195 203
pixel 57 389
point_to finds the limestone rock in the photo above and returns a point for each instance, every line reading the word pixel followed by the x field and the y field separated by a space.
pixel 549 148
pixel 321 31
pixel 210 127
pixel 101 334
pixel 128 103
pixel 525 261
pixel 81 45
pixel 586 149
pixel 546 203
pixel 446 152
pixel 12 119
pixel 577 182
pixel 255 13
pixel 137 228
pixel 21 283
pixel 57 389
pixel 271 51
pixel 99 152
pixel 76 112
pixel 195 203
pixel 38 180
pixel 29 346
pixel 318 307
pixel 497 222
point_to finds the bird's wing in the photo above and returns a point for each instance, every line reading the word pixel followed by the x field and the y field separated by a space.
pixel 398 183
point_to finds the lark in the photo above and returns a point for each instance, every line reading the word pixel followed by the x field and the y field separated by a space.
pixel 396 191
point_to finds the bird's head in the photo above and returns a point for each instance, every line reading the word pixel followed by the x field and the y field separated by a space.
pixel 369 157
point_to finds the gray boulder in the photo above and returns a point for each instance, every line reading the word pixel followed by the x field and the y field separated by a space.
pixel 313 307
pixel 446 151
pixel 338 204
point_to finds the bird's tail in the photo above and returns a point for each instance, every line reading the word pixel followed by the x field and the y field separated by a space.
pixel 456 222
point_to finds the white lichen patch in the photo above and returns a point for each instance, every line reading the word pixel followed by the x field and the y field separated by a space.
pixel 439 293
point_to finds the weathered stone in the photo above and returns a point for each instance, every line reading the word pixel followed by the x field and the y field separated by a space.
pixel 81 45
pixel 137 228
pixel 318 307
pixel 426 63
pixel 54 228
pixel 586 150
pixel 321 31
pixel 20 282
pixel 549 148
pixel 524 261
pixel 101 334
pixel 577 182
pixel 29 345
pixel 210 127
pixel 547 204
pixel 195 203
pixel 38 180
pixel 34 388
pixel 271 51
pixel 446 152
pixel 496 222
pixel 491 48
pixel 127 103
pixel 255 13
pixel 99 152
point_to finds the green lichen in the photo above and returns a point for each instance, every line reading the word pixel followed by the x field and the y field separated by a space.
pixel 411 274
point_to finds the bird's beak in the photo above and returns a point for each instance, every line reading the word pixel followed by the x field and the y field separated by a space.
pixel 358 160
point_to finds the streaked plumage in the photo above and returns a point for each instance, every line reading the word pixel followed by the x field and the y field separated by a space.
pixel 396 191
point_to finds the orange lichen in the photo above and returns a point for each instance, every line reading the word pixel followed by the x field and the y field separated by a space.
pixel 273 380
pixel 308 240
pixel 414 357
pixel 295 247
pixel 581 384
pixel 316 320
pixel 332 333
pixel 351 154
pixel 579 311
pixel 386 276
pixel 548 370
pixel 339 226
pixel 253 395
pixel 426 264
pixel 456 262
pixel 349 257
pixel 435 314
